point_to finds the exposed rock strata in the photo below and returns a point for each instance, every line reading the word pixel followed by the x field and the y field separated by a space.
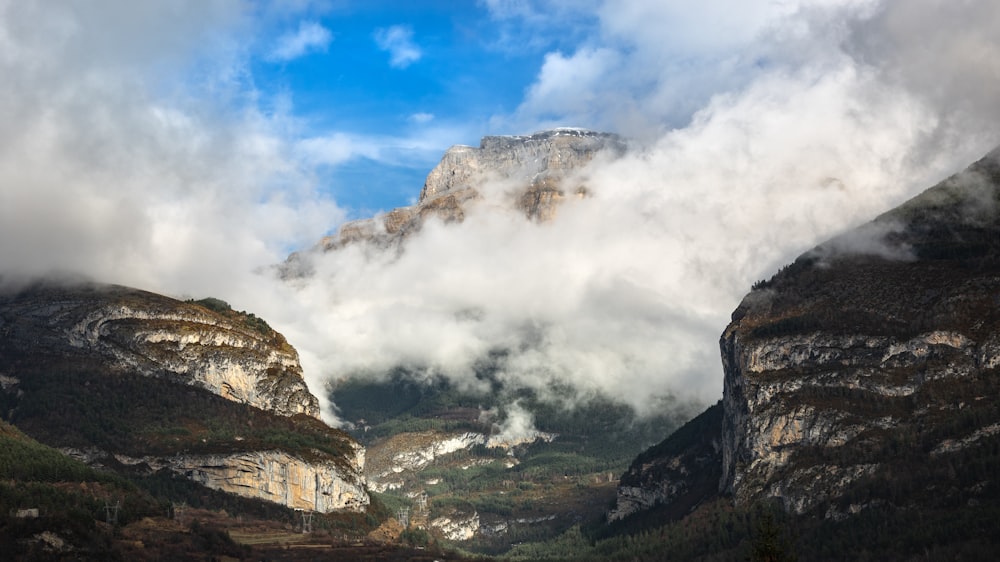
pixel 844 353
pixel 679 473
pixel 535 171
pixel 275 476
pixel 122 338
pixel 870 360
pixel 457 526
pixel 158 336
pixel 413 451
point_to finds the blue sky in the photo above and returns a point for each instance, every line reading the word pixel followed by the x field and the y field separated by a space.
pixel 402 69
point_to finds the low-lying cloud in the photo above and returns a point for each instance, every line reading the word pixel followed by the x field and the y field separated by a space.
pixel 625 292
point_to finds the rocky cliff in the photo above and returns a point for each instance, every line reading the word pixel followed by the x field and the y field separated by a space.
pixel 234 355
pixel 677 474
pixel 125 378
pixel 864 375
pixel 322 485
pixel 534 170
pixel 878 345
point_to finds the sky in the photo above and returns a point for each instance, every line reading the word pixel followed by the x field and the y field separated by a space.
pixel 185 147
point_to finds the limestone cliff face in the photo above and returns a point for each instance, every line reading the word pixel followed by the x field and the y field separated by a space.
pixel 322 485
pixel 457 526
pixel 861 376
pixel 230 354
pixel 535 170
pixel 117 373
pixel 537 162
pixel 677 474
pixel 840 366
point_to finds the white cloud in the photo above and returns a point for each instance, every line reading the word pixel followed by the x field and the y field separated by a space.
pixel 311 37
pixel 398 42
pixel 421 118
pixel 109 173
pixel 627 291
pixel 794 130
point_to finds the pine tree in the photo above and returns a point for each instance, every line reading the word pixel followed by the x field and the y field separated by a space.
pixel 768 545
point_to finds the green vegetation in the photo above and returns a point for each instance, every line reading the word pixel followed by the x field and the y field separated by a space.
pixel 548 486
pixel 73 405
pixel 42 489
pixel 222 307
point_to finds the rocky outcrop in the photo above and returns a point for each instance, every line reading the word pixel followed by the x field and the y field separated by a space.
pixel 677 474
pixel 234 355
pixel 319 484
pixel 844 360
pixel 405 454
pixel 536 162
pixel 861 376
pixel 134 378
pixel 533 169
pixel 457 526
pixel 415 450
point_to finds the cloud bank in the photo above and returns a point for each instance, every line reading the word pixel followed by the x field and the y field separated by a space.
pixel 142 153
pixel 802 128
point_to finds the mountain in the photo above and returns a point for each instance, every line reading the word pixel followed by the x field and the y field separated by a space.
pixel 860 390
pixel 492 467
pixel 534 172
pixel 131 380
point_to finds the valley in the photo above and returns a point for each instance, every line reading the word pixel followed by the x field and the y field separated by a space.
pixel 859 420
pixel 452 460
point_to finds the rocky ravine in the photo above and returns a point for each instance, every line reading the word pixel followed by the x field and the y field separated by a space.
pixel 535 170
pixel 870 361
pixel 117 330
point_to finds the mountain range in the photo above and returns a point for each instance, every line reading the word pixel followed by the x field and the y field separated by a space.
pixel 859 418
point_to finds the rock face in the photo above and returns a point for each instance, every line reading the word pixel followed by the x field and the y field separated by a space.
pixel 534 170
pixel 678 474
pixel 844 359
pixel 230 354
pixel 125 377
pixel 861 376
pixel 457 526
pixel 275 476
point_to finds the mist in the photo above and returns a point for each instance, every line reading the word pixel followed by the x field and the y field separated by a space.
pixel 144 154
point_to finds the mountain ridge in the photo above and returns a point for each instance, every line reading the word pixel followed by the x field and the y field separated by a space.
pixel 860 385
pixel 126 378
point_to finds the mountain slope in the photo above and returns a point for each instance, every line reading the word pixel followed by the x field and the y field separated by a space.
pixel 860 392
pixel 234 355
pixel 535 173
pixel 124 378
pixel 846 367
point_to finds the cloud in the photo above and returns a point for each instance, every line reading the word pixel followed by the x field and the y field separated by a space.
pixel 311 37
pixel 398 42
pixel 135 153
pixel 624 293
pixel 794 133
pixel 421 118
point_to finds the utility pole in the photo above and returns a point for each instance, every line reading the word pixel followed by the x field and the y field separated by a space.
pixel 179 509
pixel 307 522
pixel 111 511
